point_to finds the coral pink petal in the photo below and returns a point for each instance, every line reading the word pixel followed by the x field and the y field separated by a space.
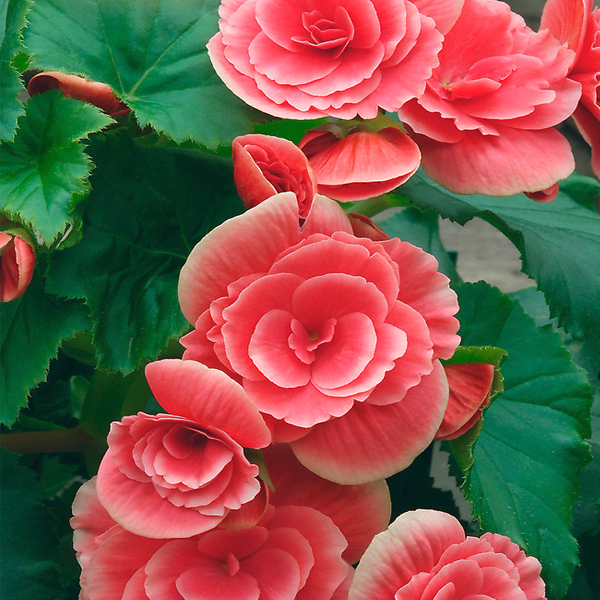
pixel 303 406
pixel 270 351
pixel 366 157
pixel 141 510
pixel 503 165
pixel 426 290
pixel 245 87
pixel 529 567
pixel 276 572
pixel 373 442
pixel 135 588
pixel 546 195
pixel 116 561
pixel 409 366
pixel 565 20
pixel 249 244
pixel 268 300
pixel 207 583
pixel 327 544
pixel 589 126
pixel 208 397
pixel 412 544
pixel 444 14
pixel 470 385
pixel 346 356
pixel 89 521
pixel 359 511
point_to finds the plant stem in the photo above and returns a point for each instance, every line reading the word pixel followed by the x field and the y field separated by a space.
pixel 56 440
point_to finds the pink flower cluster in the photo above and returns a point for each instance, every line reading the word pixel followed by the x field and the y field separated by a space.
pixel 320 356
pixel 479 92
pixel 314 363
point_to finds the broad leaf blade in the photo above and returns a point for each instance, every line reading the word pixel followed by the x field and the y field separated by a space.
pixel 31 329
pixel 559 242
pixel 12 20
pixel 151 53
pixel 531 448
pixel 28 545
pixel 45 164
pixel 148 207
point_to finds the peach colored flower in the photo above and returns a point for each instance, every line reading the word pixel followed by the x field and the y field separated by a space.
pixel 176 475
pixel 316 58
pixel 354 161
pixel 264 165
pixel 485 123
pixel 17 263
pixel 424 554
pixel 301 548
pixel 335 338
pixel 72 86
pixel 577 24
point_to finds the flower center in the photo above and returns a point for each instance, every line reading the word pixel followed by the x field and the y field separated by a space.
pixel 304 343
pixel 327 34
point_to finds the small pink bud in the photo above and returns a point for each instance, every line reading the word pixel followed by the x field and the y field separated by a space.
pixel 544 195
pixel 18 260
pixel 358 163
pixel 470 388
pixel 265 165
pixel 94 92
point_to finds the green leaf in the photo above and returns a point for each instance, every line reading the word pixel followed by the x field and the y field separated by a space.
pixel 148 207
pixel 12 20
pixel 531 448
pixel 109 396
pixel 152 54
pixel 559 242
pixel 46 163
pixel 421 228
pixel 28 544
pixel 31 329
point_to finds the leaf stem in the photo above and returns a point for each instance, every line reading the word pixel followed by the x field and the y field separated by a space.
pixel 56 440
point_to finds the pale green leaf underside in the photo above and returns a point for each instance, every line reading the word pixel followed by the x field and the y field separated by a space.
pixel 559 242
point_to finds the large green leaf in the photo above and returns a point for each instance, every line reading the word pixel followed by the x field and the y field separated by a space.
pixel 148 207
pixel 31 329
pixel 27 543
pixel 152 53
pixel 531 448
pixel 559 242
pixel 12 20
pixel 45 164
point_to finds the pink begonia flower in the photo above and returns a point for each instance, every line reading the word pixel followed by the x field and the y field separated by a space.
pixel 318 58
pixel 573 22
pixel 470 388
pixel 297 551
pixel 359 511
pixel 72 86
pixel 485 123
pixel 356 161
pixel 264 165
pixel 335 338
pixel 424 554
pixel 179 474
pixel 17 259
